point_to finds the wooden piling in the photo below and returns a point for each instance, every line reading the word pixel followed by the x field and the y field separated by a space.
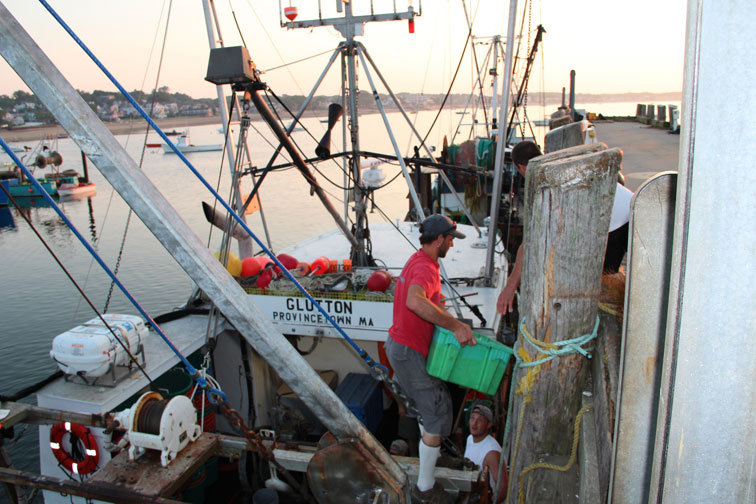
pixel 569 196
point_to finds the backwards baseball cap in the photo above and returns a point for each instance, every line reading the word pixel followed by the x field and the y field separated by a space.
pixel 483 410
pixel 437 225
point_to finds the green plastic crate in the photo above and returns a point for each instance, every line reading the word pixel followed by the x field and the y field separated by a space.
pixel 479 367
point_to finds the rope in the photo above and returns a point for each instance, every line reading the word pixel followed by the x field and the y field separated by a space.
pixel 564 468
pixel 558 348
pixel 527 382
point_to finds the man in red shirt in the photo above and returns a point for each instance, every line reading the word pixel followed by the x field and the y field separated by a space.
pixel 417 308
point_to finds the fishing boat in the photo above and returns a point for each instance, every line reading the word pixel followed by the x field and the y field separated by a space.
pixel 183 144
pixel 263 353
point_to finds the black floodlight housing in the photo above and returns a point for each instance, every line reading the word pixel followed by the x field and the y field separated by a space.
pixel 230 65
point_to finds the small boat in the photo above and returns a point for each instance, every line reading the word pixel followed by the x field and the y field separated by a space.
pixel 183 144
pixel 26 189
pixel 76 188
pixel 153 145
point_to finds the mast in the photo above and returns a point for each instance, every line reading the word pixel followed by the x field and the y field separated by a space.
pixel 501 144
pixel 351 26
pixel 245 244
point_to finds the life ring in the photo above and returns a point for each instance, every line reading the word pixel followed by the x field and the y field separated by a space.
pixel 91 457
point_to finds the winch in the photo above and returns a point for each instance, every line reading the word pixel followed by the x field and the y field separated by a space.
pixel 159 424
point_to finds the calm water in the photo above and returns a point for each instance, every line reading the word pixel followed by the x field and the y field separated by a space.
pixel 37 300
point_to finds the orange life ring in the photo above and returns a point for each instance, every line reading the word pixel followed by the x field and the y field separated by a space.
pixel 91 457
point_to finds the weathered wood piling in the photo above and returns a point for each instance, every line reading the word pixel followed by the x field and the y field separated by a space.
pixel 569 196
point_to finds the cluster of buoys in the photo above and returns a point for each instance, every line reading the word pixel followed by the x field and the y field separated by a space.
pixel 260 271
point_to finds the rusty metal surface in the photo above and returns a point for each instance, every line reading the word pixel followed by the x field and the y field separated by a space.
pixel 147 477
pixel 92 490
pixel 346 473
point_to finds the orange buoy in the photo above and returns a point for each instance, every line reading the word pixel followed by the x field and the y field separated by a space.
pixel 290 13
pixel 302 269
pixel 250 267
pixel 379 281
pixel 320 266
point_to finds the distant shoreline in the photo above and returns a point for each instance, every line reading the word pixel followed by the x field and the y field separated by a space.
pixel 120 128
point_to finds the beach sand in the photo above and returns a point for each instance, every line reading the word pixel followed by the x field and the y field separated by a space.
pixel 38 132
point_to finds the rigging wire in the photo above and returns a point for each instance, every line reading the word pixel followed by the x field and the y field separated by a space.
pixel 65 270
pixel 329 51
pixel 141 157
pixel 451 84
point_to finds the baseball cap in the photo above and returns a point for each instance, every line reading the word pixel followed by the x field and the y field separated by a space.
pixel 483 410
pixel 437 224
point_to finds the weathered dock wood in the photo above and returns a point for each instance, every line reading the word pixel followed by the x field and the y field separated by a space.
pixel 569 202
pixel 565 136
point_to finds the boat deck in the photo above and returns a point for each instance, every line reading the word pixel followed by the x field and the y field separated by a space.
pixel 646 150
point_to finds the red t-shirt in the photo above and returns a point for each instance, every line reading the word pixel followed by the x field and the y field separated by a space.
pixel 409 329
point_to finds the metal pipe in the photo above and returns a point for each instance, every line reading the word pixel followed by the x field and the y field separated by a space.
pixel 268 117
pixel 107 493
pixel 245 245
pixel 572 94
pixel 501 143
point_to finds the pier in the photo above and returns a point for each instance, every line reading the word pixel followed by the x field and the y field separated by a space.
pixel 646 150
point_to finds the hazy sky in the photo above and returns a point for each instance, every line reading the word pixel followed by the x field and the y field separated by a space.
pixel 613 46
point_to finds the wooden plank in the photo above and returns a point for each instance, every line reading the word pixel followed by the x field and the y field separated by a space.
pixel 147 476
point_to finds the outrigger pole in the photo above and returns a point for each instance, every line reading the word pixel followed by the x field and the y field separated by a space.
pixel 94 139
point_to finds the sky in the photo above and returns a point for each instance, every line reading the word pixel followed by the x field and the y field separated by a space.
pixel 614 47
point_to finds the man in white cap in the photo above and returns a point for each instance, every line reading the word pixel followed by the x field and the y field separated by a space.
pixel 483 450
pixel 417 308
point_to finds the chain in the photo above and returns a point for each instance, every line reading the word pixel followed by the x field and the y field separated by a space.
pixel 525 96
pixel 380 373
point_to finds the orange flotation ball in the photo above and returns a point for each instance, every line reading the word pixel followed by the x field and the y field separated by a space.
pixel 302 268
pixel 320 265
pixel 250 267
pixel 379 281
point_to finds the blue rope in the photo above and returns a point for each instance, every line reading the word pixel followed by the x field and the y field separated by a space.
pixel 569 346
pixel 361 352
pixel 192 371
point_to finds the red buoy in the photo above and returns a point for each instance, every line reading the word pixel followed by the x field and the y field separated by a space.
pixel 379 281
pixel 290 13
pixel 288 261
pixel 264 279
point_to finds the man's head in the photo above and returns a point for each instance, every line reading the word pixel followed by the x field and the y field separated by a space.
pixel 481 420
pixel 441 230
pixel 522 153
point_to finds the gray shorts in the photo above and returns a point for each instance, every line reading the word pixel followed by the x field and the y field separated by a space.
pixel 431 396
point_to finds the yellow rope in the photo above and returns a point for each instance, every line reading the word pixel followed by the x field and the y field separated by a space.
pixel 566 467
pixel 611 309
